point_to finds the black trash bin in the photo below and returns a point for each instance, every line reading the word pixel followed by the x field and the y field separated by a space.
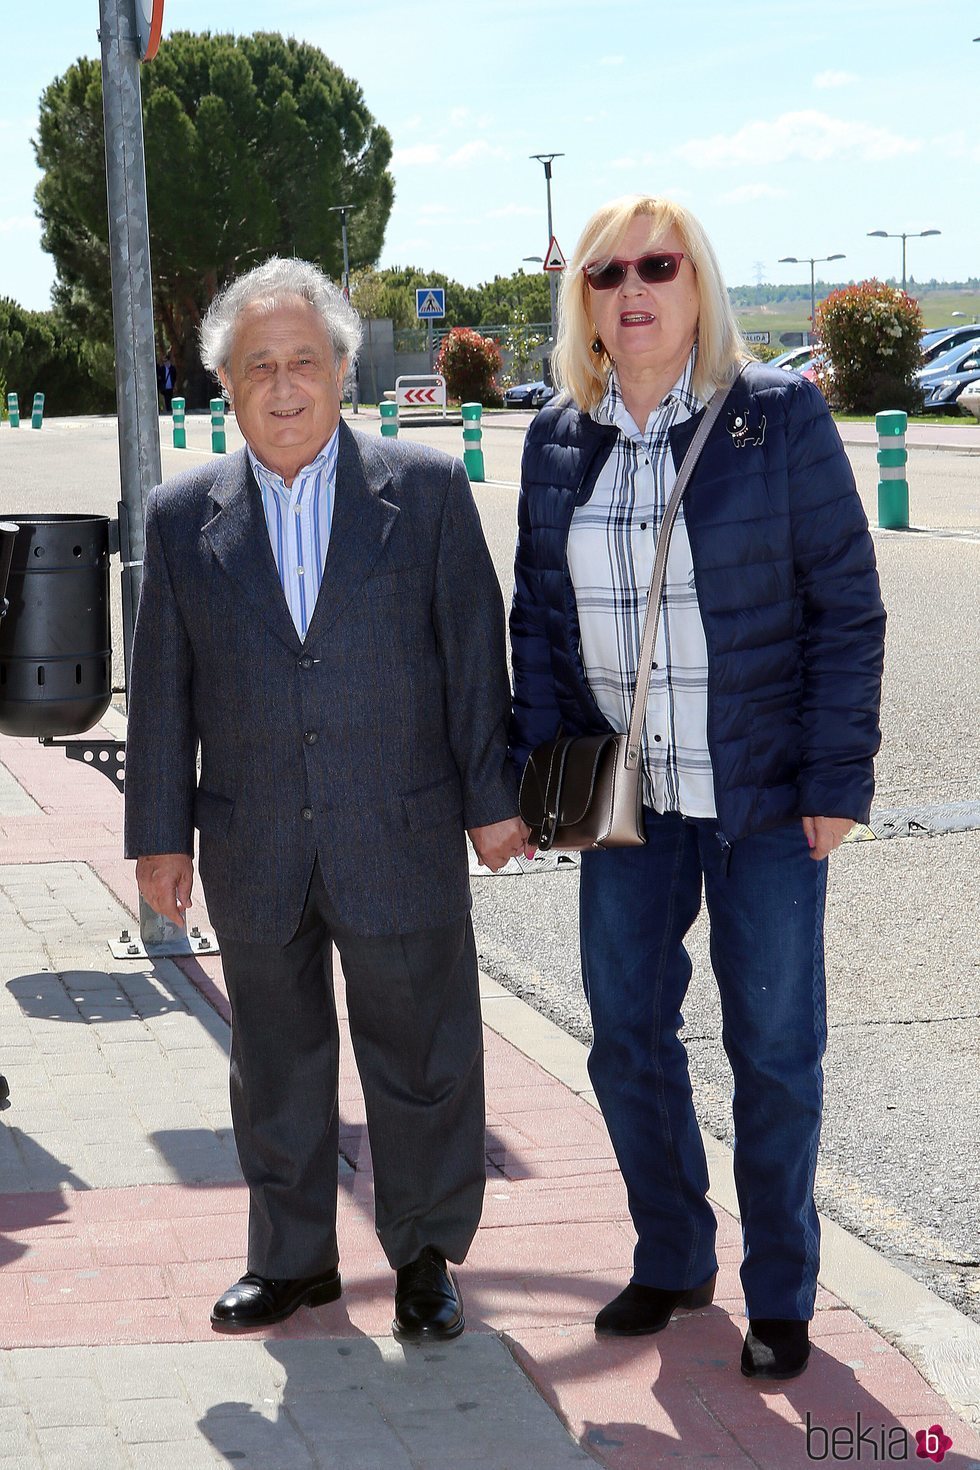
pixel 55 642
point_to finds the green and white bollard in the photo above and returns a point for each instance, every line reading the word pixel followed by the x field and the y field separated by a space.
pixel 217 426
pixel 893 487
pixel 389 420
pixel 472 439
pixel 180 430
pixel 37 412
pixel 13 410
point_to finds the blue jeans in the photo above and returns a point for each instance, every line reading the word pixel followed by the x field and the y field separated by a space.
pixel 765 899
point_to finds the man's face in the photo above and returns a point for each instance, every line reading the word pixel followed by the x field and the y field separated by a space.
pixel 284 384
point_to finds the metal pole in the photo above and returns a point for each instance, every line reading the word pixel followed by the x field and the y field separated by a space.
pixel 552 275
pixel 813 300
pixel 132 295
pixel 904 238
pixel 546 160
pixel 343 241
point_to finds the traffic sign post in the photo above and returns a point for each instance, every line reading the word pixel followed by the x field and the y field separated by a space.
pixel 430 306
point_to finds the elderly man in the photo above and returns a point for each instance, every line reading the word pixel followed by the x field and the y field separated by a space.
pixel 320 615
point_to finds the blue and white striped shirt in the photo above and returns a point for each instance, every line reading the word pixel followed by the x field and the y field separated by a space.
pixel 299 519
pixel 611 548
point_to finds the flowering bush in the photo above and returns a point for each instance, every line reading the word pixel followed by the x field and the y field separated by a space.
pixel 869 335
pixel 470 363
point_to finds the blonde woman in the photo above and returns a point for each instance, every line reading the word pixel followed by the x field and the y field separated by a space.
pixel 761 729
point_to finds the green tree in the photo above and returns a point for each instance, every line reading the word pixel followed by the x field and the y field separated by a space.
pixel 870 335
pixel 40 351
pixel 391 293
pixel 513 299
pixel 249 140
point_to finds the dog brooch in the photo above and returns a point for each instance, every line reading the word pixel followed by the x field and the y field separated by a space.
pixel 742 433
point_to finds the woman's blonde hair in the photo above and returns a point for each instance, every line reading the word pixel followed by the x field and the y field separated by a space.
pixel 582 374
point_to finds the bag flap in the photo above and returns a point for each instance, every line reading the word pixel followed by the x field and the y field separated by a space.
pixel 580 758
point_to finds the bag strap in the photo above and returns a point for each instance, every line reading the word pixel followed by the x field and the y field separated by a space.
pixel 648 639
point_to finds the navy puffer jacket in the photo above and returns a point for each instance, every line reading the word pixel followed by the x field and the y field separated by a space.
pixel 788 590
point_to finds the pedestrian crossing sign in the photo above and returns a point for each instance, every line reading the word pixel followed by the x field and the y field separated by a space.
pixel 430 303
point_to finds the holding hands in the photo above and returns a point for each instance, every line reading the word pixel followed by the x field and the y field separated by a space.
pixel 497 843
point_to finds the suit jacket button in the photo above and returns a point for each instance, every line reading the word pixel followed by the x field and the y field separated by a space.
pixel 306 662
pixel 310 737
pixel 307 813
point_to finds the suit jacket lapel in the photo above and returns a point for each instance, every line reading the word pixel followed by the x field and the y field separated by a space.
pixel 239 537
pixel 362 523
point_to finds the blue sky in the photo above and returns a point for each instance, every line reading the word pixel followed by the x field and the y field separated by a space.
pixel 791 127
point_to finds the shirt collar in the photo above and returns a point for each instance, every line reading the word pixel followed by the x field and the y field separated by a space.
pixel 612 410
pixel 326 459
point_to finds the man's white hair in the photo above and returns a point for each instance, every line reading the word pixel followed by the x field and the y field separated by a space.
pixel 269 285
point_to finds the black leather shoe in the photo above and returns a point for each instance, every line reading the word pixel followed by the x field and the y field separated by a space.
pixel 640 1310
pixel 257 1301
pixel 428 1306
pixel 775 1347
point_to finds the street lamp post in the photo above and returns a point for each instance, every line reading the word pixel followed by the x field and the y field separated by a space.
pixel 908 235
pixel 547 159
pixel 342 209
pixel 812 260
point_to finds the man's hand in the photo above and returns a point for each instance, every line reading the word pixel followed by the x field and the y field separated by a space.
pixel 825 833
pixel 499 842
pixel 164 879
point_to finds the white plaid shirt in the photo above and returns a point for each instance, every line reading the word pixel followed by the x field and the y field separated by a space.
pixel 611 547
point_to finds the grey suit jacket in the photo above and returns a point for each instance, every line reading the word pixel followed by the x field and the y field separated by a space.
pixel 372 744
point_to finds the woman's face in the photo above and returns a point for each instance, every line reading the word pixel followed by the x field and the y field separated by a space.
pixel 647 327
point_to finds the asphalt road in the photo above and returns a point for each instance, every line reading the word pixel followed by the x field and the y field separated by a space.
pixel 902 1133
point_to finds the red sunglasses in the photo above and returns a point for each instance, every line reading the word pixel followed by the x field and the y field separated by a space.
pixel 655 269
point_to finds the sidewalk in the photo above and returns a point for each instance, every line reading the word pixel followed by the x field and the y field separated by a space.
pixel 122 1217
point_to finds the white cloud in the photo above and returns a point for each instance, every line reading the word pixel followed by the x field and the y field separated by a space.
pixel 472 152
pixel 828 79
pixel 747 193
pixel 815 136
pixel 457 116
pixel 17 223
pixel 611 60
pixel 420 153
pixel 430 209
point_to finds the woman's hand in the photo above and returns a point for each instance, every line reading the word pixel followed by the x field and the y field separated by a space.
pixel 825 833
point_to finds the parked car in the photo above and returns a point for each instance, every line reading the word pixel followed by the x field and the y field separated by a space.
pixel 937 343
pixel 969 399
pixel 944 379
pixel 542 395
pixel 794 360
pixel 522 394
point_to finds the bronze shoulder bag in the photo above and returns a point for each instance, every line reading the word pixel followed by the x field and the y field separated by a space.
pixel 585 791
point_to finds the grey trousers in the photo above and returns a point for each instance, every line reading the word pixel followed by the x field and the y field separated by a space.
pixel 414 1009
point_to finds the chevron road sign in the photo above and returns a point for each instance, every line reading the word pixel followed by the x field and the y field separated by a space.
pixel 423 390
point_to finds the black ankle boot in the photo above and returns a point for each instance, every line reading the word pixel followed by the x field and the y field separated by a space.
pixel 775 1347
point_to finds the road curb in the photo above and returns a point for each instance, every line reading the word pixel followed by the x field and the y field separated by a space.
pixel 940 1341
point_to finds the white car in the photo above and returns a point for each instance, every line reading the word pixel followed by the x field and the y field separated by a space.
pixel 969 399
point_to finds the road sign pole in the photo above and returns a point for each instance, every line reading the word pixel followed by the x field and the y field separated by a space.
pixel 132 296
pixel 430 345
